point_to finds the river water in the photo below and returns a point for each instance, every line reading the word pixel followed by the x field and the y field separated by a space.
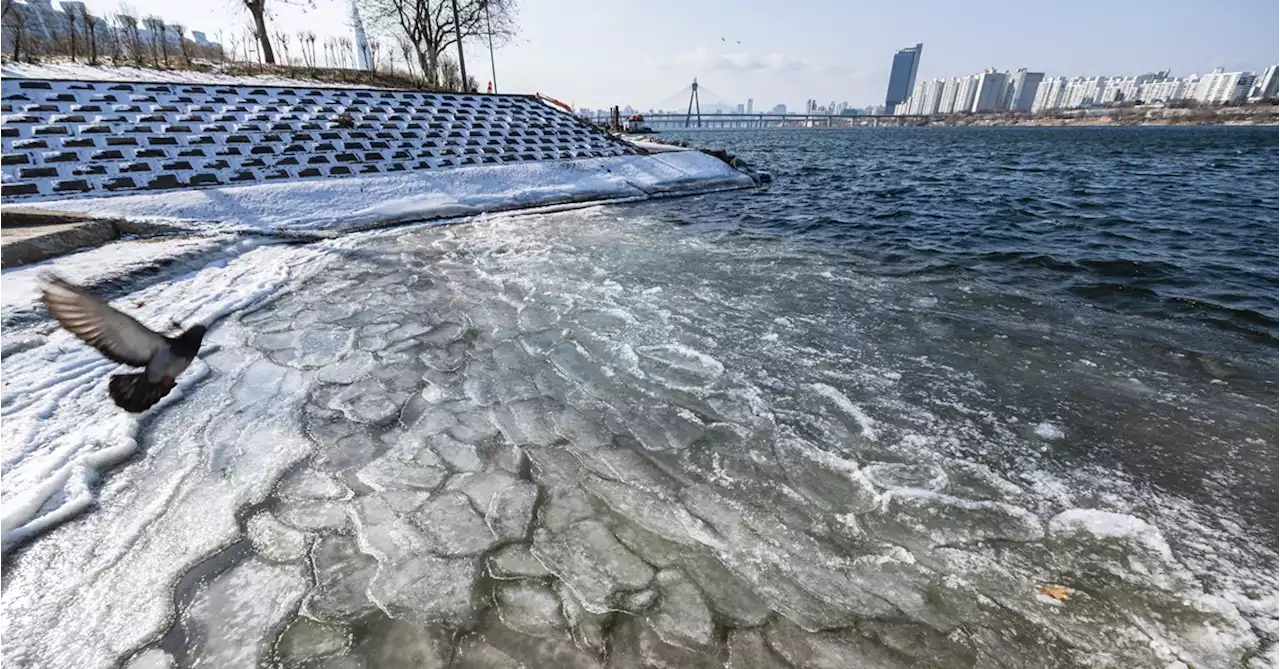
pixel 936 397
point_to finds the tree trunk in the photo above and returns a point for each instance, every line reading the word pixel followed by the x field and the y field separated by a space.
pixel 433 62
pixel 260 23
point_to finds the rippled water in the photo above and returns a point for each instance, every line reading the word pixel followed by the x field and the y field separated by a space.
pixel 1167 223
pixel 885 413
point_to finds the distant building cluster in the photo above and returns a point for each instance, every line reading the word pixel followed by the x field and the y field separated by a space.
pixel 44 29
pixel 995 91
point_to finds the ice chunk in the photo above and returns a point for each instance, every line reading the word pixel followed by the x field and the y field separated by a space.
pixel 307 483
pixel 316 515
pixel 923 644
pixel 682 617
pixel 472 427
pixel 229 622
pixel 591 561
pixel 921 517
pixel 349 370
pixel 399 644
pixel 511 510
pixel 527 422
pixel 830 650
pixel 581 431
pixel 384 533
pixel 365 401
pixel 482 488
pixel 305 639
pixel 452 527
pixel 457 454
pixel 308 347
pixel 633 643
pixel 529 607
pixel 427 589
pixel 274 540
pixel 152 658
pixel 515 561
pixel 847 411
pixel 725 591
pixel 680 366
pixel 894 475
pixel 348 451
pixel 546 651
pixel 444 333
pixel 666 519
pixel 588 628
pixel 639 600
pixel 748 650
pixel 342 575
pixel 339 662
pixel 392 473
pixel 475 653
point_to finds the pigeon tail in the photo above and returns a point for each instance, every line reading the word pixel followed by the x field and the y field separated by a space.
pixel 135 392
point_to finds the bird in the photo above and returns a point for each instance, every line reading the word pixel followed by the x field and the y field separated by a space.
pixel 121 338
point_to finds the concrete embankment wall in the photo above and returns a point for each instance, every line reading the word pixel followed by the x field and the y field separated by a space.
pixel 66 139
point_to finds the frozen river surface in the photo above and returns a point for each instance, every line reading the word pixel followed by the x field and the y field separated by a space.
pixel 594 439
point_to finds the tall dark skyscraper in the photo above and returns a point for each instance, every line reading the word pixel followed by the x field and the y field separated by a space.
pixel 902 76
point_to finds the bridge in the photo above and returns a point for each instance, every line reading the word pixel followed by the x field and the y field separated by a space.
pixel 671 121
pixel 694 118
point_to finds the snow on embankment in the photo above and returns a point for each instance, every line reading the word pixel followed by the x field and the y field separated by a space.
pixel 358 202
pixel 85 72
pixel 270 155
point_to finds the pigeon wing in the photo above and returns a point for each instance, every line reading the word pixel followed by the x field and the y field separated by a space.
pixel 117 336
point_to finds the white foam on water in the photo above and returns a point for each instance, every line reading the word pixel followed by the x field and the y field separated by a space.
pixel 1049 431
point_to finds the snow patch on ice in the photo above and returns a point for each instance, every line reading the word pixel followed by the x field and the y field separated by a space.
pixel 61 430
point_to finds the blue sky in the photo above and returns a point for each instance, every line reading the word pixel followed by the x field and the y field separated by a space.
pixel 597 53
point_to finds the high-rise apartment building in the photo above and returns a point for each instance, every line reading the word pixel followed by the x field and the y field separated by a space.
pixel 902 76
pixel 1024 86
pixel 991 91
pixel 1266 86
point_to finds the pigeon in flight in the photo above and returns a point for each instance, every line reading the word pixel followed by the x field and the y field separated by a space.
pixel 123 339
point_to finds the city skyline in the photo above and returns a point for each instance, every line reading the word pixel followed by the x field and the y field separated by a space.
pixel 621 54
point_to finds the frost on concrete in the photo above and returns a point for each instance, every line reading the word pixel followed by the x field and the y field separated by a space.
pixel 496 445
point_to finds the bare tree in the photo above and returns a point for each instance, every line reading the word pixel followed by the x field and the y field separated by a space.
pixel 132 39
pixel 181 31
pixel 374 46
pixel 16 22
pixel 71 34
pixel 90 26
pixel 307 40
pixel 113 34
pixel 429 25
pixel 448 74
pixel 406 52
pixel 282 40
pixel 258 10
pixel 344 50
pixel 155 29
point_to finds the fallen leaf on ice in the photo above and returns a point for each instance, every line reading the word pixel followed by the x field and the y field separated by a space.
pixel 1060 592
